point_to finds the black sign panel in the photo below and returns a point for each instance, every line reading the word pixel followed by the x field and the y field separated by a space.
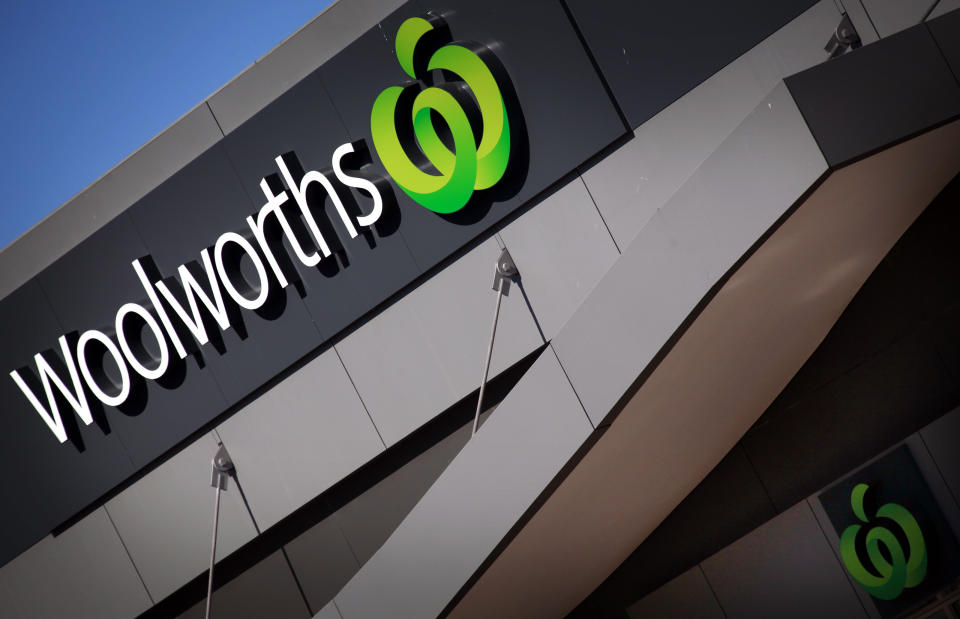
pixel 193 348
pixel 894 541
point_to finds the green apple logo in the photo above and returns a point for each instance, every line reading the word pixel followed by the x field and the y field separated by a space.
pixel 469 166
pixel 891 569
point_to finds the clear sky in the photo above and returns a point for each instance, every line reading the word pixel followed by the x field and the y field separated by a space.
pixel 87 82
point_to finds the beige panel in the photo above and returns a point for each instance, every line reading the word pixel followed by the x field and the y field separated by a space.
pixel 717 380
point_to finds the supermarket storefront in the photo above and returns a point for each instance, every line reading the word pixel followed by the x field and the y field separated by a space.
pixel 732 293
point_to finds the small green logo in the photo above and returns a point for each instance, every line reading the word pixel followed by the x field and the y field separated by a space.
pixel 891 570
pixel 469 166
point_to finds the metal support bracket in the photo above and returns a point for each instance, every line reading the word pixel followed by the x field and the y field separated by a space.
pixel 845 37
pixel 222 468
pixel 506 270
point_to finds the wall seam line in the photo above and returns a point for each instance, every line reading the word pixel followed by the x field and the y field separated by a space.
pixel 596 206
pixel 713 592
pixel 946 60
pixel 296 581
pixel 833 553
pixel 129 556
pixel 936 465
pixel 359 397
pixel 869 19
pixel 215 119
pixel 570 382
pixel 766 491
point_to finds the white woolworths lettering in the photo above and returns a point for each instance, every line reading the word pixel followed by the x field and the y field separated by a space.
pixel 99 336
pixel 150 374
pixel 228 285
pixel 192 319
pixel 272 207
pixel 77 398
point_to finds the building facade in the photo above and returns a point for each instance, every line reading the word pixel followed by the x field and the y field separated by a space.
pixel 724 377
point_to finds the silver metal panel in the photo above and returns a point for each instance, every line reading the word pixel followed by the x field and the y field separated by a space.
pixel 107 197
pixel 945 497
pixel 166 519
pixel 475 501
pixel 328 612
pixel 265 590
pixel 562 248
pixel 426 351
pixel 84 573
pixel 687 595
pixel 772 571
pixel 892 16
pixel 370 519
pixel 861 21
pixel 944 7
pixel 295 58
pixel 758 172
pixel 323 560
pixel 635 181
pixel 299 438
pixel 940 437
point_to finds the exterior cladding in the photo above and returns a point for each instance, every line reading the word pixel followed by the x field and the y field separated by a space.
pixel 153 200
pixel 213 194
pixel 790 565
pixel 895 349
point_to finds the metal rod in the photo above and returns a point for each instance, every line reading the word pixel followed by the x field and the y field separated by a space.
pixel 486 365
pixel 213 549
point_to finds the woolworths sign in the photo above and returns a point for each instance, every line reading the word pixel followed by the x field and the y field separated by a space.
pixel 441 138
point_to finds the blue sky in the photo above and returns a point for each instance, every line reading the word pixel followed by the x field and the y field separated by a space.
pixel 87 83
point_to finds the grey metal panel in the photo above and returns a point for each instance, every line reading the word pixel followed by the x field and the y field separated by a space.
pixel 944 7
pixel 861 20
pixel 426 351
pixel 891 16
pixel 737 502
pixel 295 58
pixel 165 519
pixel 651 53
pixel 637 179
pixel 323 560
pixel 562 249
pixel 687 595
pixel 107 197
pixel 328 612
pixel 84 573
pixel 758 172
pixel 940 438
pixel 886 396
pixel 879 93
pixel 946 32
pixel 370 519
pixel 265 590
pixel 476 500
pixel 773 571
pixel 299 438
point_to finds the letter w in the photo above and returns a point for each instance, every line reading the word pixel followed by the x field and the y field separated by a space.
pixel 77 398
pixel 193 320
